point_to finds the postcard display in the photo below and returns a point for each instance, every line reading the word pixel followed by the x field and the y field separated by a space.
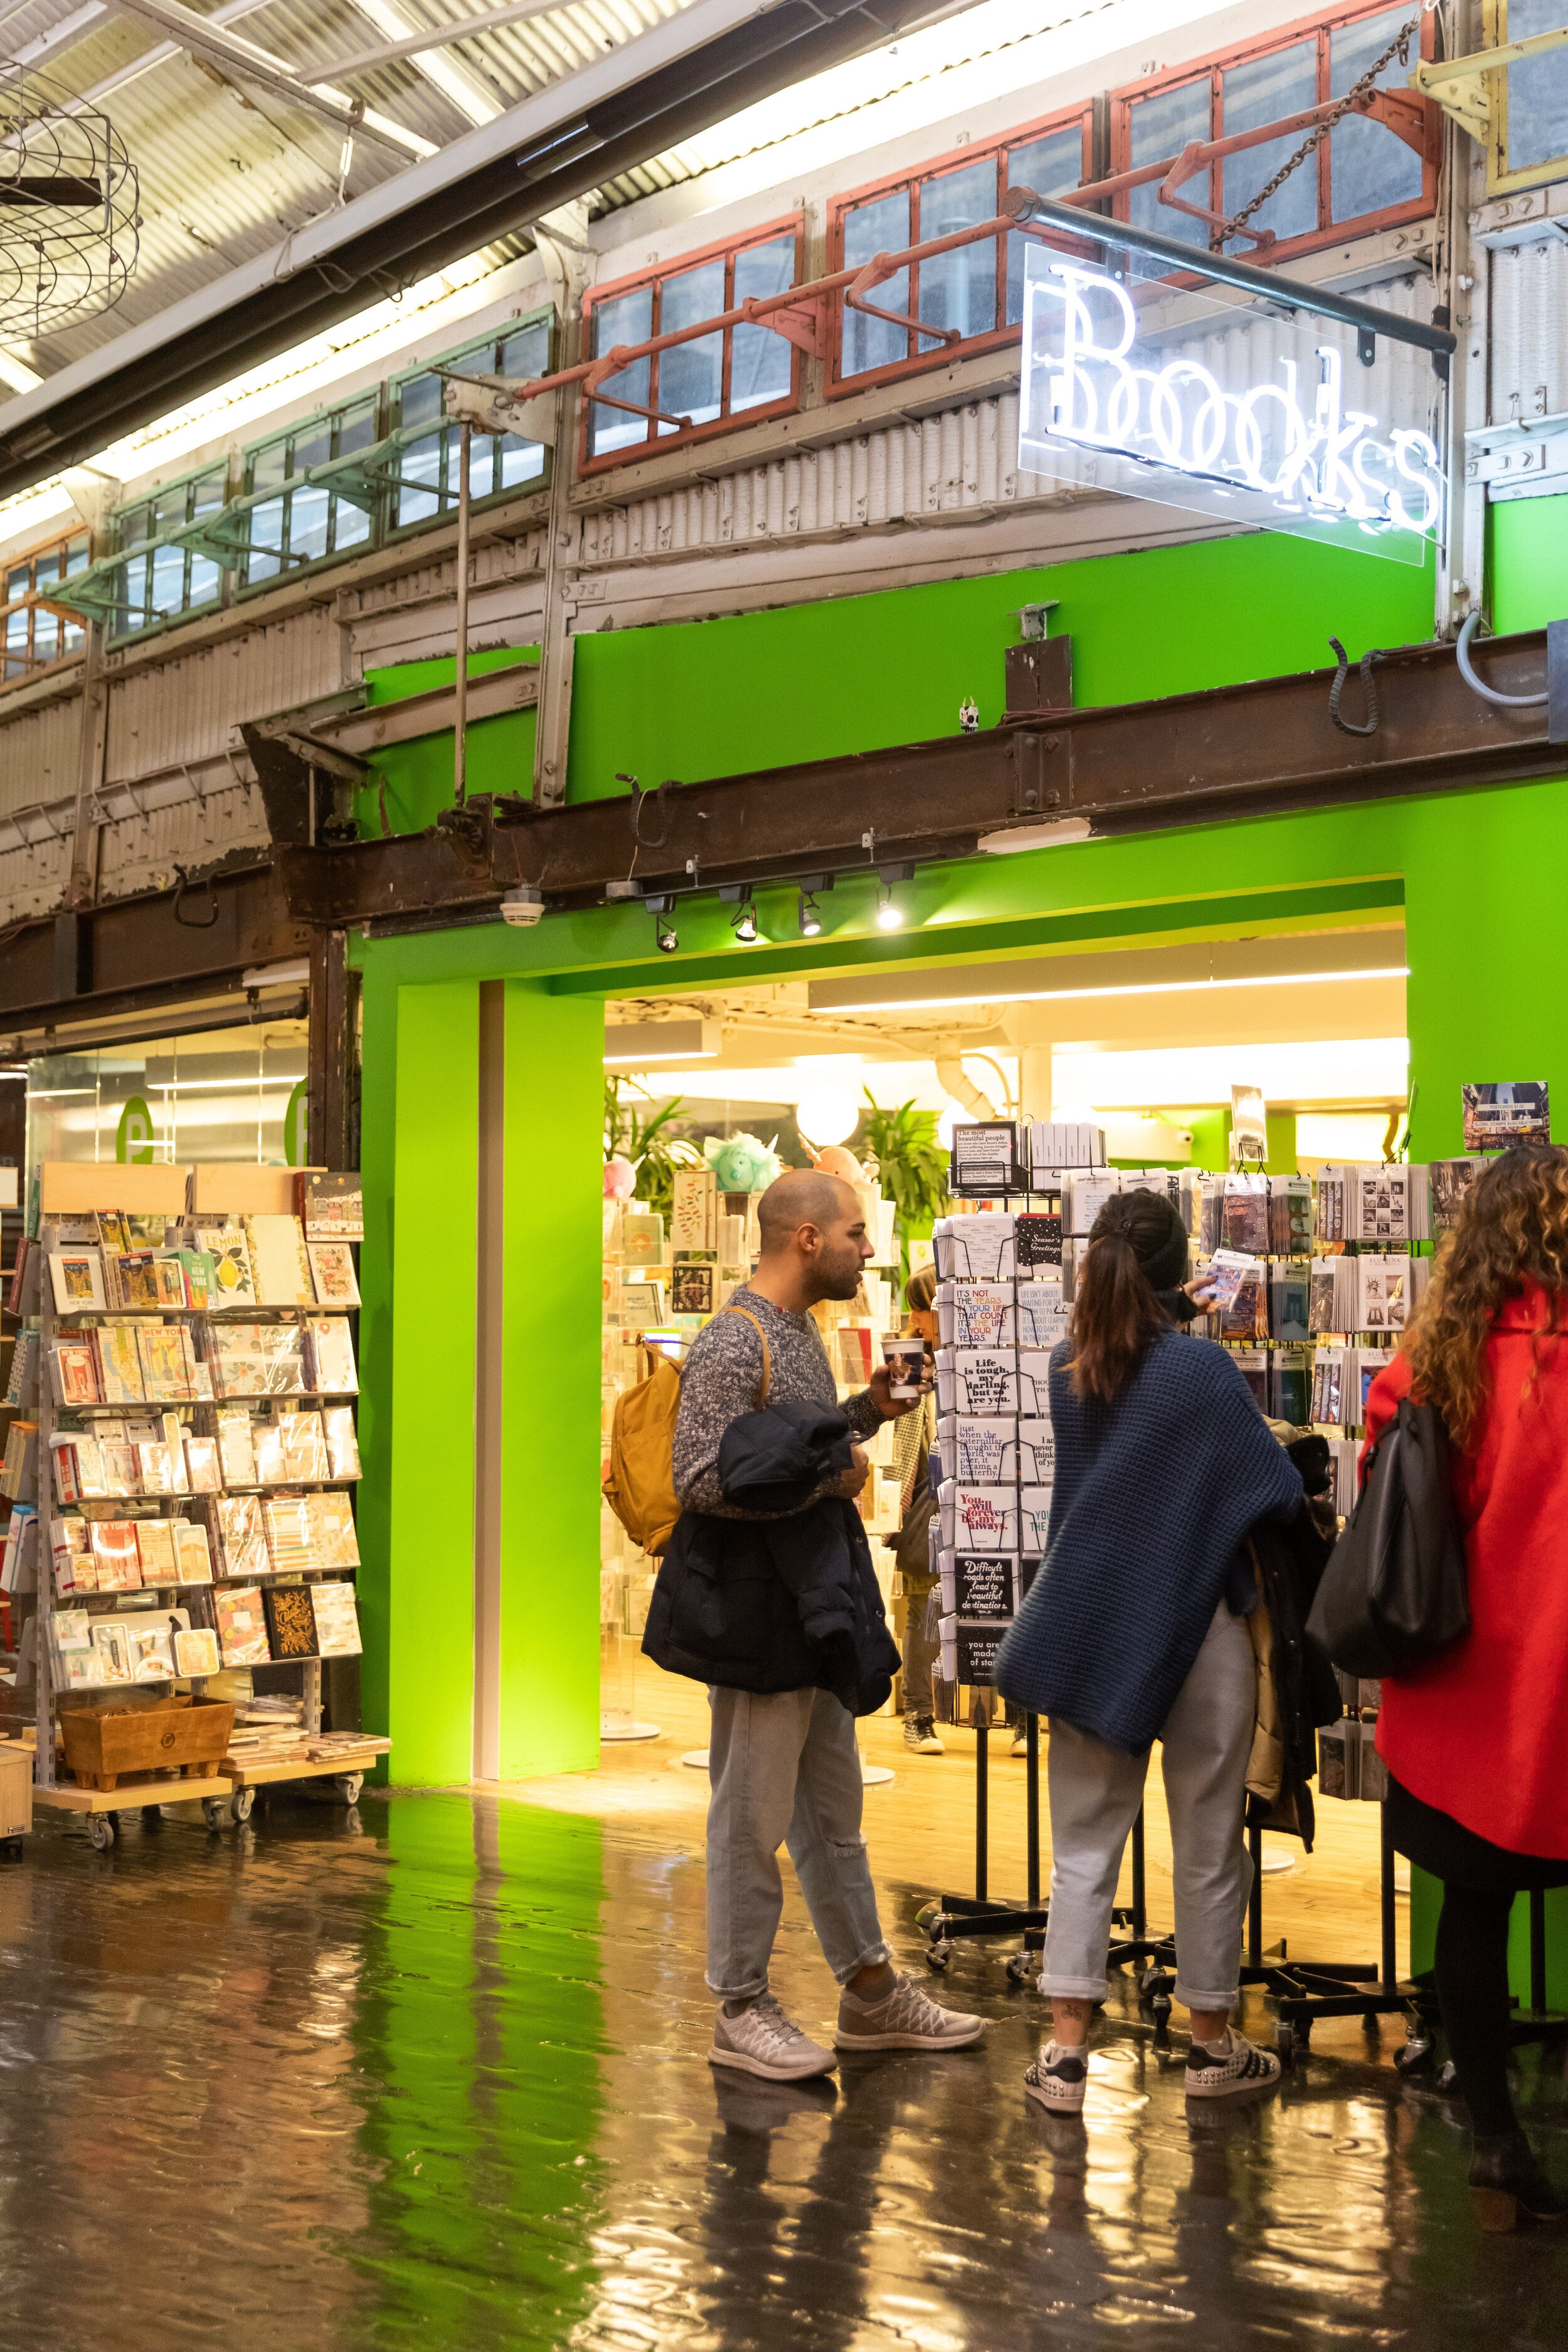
pixel 185 1491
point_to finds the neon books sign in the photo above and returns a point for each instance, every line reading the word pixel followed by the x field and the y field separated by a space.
pixel 1281 441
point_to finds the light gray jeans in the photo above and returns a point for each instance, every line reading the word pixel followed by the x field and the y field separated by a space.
pixel 1095 1794
pixel 785 1769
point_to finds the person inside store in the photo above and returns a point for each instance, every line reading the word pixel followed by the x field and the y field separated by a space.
pixel 767 1594
pixel 913 1440
pixel 1475 1739
pixel 1133 1630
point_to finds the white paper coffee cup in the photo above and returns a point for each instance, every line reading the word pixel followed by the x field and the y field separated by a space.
pixel 905 1360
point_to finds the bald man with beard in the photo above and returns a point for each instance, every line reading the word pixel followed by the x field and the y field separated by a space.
pixel 785 1765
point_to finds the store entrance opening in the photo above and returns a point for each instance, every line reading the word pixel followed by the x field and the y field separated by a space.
pixel 707 1090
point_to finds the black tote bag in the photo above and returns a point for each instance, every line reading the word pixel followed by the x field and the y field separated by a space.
pixel 1396 1591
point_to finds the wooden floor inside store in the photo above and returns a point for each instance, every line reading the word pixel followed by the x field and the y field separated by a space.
pixel 920 1825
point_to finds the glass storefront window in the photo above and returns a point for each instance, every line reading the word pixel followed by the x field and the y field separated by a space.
pixel 221 1095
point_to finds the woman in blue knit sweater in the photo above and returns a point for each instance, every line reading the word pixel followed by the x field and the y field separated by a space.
pixel 1134 1632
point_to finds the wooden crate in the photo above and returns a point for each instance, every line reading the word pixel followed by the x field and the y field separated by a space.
pixel 234 1189
pixel 103 1746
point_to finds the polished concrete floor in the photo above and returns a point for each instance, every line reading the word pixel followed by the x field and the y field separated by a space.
pixel 430 2075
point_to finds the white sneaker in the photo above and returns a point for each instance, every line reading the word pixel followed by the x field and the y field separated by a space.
pixel 761 2040
pixel 1216 2071
pixel 1059 2079
pixel 906 2020
pixel 919 1737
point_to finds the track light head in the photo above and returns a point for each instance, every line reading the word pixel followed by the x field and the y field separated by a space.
pixel 810 920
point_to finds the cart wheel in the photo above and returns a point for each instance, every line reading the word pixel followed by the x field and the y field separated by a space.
pixel 1418 2055
pixel 151 1817
pixel 100 1829
pixel 1161 2005
pixel 1285 2045
pixel 349 1786
pixel 1019 1969
pixel 1447 2076
pixel 939 1954
pixel 11 1849
pixel 242 1800
pixel 214 1812
pixel 927 1915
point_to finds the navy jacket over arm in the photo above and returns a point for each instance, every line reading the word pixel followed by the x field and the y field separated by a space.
pixel 1154 1495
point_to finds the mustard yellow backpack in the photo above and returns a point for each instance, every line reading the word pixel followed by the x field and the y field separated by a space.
pixel 640 1480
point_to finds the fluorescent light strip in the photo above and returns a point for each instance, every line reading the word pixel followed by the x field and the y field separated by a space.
pixel 641 1061
pixel 1135 988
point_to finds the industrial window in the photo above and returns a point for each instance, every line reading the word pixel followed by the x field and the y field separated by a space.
pixel 302 521
pixel 742 372
pixel 976 291
pixel 425 476
pixel 159 578
pixel 34 635
pixel 1361 177
pixel 1528 112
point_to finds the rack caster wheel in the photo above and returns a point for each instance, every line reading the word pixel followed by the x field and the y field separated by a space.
pixel 349 1785
pixel 1447 2077
pixel 1161 2005
pixel 242 1802
pixel 939 1954
pixel 1019 1968
pixel 151 1817
pixel 1418 2055
pixel 11 1850
pixel 102 1828
pixel 214 1812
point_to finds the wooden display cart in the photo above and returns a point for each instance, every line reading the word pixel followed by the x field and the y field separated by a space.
pixel 347 1767
pixel 104 1807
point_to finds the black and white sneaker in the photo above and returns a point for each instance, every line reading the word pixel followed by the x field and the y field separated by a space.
pixel 1225 2070
pixel 1059 2079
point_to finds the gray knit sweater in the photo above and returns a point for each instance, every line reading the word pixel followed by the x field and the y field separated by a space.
pixel 721 1380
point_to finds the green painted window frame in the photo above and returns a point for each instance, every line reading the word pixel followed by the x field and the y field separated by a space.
pixel 141 541
pixel 348 425
pixel 487 353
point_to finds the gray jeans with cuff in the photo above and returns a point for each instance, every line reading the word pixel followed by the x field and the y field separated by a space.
pixel 785 1769
pixel 1095 1794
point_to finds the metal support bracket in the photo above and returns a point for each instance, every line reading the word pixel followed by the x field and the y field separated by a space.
pixel 1460 86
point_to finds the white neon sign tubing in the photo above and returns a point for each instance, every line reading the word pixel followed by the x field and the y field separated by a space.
pixel 1331 465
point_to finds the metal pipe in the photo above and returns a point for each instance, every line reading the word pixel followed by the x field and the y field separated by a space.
pixel 460 721
pixel 1024 205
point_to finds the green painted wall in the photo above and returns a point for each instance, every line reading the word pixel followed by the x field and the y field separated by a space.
pixel 1526 550
pixel 555 1109
pixel 805 682
pixel 416 778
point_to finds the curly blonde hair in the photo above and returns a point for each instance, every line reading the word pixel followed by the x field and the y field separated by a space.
pixel 1512 1231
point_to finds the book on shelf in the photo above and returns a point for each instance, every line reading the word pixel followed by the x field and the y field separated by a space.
pixel 73 1371
pixel 232 1284
pixel 19 1559
pixel 238 1536
pixel 329 1355
pixel 333 1273
pixel 193 1558
pixel 278 1263
pixel 119 1364
pixel 198 1272
pixel 155 1551
pixel 242 1626
pixel 19 1474
pixel 197 1652
pixel 168 1363
pixel 141 1279
pixel 343 1441
pixel 22 1387
pixel 76 1281
pixel 290 1622
pixel 330 1205
pixel 337 1620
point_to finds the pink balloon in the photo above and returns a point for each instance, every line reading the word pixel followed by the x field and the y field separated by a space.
pixel 620 1178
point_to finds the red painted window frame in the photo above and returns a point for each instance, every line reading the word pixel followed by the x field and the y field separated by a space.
pixel 921 362
pixel 1212 67
pixel 33 556
pixel 657 444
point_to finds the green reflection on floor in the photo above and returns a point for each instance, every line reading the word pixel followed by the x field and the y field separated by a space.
pixel 480 2037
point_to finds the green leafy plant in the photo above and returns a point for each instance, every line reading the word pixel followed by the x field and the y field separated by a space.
pixel 912 1164
pixel 654 1152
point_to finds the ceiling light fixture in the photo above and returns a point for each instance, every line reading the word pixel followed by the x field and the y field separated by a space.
pixel 889 914
pixel 810 913
pixel 665 938
pixel 743 922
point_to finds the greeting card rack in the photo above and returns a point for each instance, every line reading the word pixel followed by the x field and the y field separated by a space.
pixel 226 1790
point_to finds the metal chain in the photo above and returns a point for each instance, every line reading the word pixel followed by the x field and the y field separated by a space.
pixel 1398 47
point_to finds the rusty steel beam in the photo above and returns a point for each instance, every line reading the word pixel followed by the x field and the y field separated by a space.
pixel 1239 751
pixel 132 954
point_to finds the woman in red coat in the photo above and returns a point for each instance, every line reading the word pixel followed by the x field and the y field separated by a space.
pixel 1477 1741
